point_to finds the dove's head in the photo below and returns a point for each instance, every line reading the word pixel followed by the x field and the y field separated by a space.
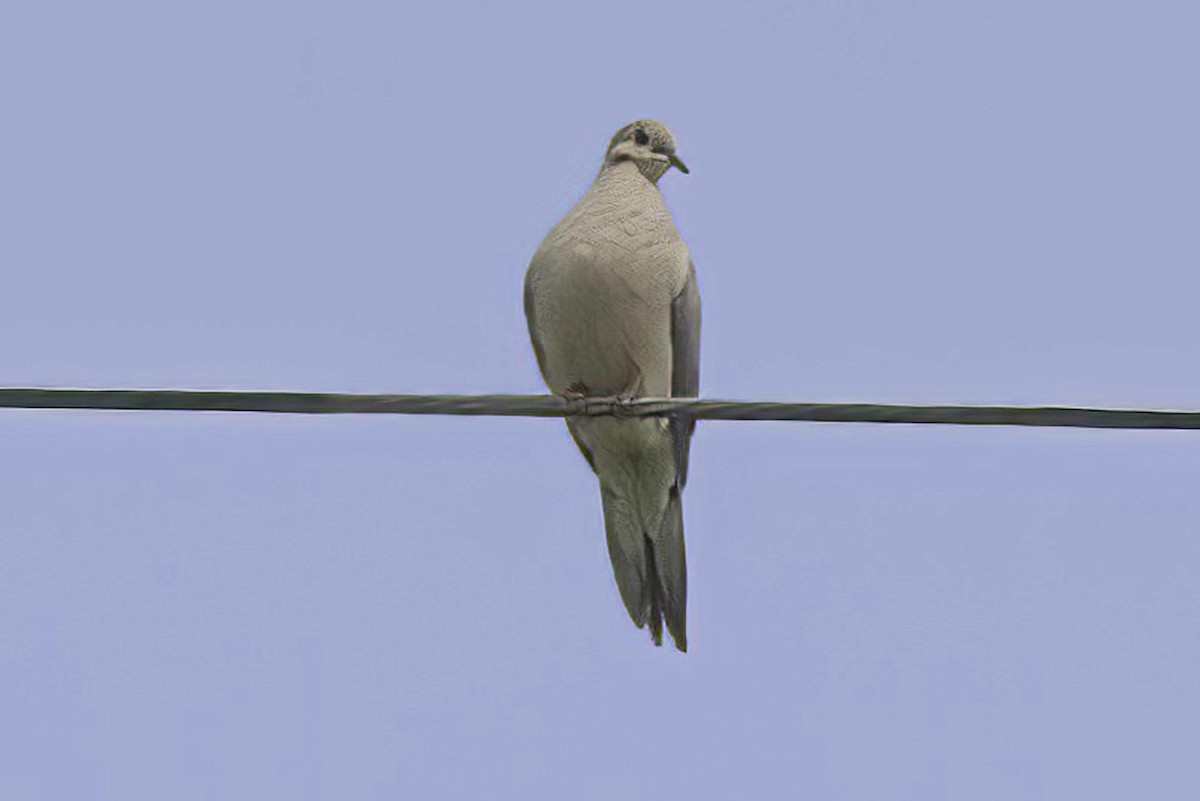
pixel 648 144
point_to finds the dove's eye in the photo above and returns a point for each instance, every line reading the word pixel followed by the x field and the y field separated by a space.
pixel 640 137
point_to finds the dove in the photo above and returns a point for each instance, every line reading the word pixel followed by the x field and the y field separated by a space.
pixel 614 311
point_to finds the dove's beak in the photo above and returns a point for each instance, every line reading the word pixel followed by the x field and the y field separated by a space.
pixel 677 163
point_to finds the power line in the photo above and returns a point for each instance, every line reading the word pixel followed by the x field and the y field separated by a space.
pixel 553 406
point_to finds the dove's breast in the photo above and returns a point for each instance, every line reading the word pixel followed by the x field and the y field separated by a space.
pixel 599 292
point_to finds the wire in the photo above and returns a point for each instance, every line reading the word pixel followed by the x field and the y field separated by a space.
pixel 554 406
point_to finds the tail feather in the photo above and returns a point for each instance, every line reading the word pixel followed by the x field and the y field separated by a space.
pixel 672 569
pixel 626 553
pixel 649 565
pixel 652 595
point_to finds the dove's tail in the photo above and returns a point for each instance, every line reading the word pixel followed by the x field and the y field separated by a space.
pixel 649 563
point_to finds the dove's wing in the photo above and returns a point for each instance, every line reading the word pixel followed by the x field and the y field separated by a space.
pixel 534 335
pixel 685 339
pixel 685 363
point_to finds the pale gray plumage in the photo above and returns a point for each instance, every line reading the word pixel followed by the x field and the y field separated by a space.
pixel 613 309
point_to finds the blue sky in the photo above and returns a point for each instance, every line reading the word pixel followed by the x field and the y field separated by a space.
pixel 918 202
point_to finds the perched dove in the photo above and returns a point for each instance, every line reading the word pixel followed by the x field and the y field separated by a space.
pixel 613 310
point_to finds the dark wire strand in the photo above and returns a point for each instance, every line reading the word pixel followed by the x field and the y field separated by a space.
pixel 554 406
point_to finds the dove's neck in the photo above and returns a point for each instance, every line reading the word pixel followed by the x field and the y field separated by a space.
pixel 628 173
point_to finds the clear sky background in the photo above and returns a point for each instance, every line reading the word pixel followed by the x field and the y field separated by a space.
pixel 907 202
